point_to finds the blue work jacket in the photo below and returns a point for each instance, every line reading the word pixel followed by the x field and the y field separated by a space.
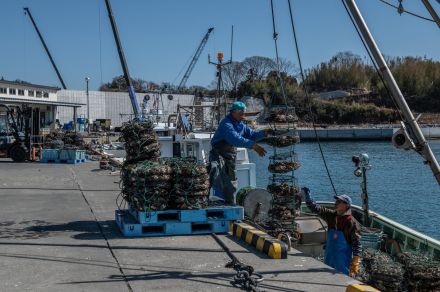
pixel 236 133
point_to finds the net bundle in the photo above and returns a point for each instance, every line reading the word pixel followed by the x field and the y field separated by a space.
pixel 172 183
pixel 381 271
pixel 411 271
pixel 146 185
pixel 63 140
pixel 421 272
pixel 141 141
pixel 191 185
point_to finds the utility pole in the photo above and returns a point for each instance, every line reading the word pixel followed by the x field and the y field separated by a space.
pixel 88 104
pixel 219 65
pixel 412 131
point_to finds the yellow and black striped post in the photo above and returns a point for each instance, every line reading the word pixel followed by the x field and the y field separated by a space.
pixel 262 241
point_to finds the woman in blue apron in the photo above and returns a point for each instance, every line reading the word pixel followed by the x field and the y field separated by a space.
pixel 343 246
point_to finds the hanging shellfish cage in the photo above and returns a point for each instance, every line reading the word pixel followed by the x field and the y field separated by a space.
pixel 283 185
pixel 282 114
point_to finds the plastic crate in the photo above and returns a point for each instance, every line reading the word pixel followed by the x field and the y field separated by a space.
pixel 50 154
pixel 72 154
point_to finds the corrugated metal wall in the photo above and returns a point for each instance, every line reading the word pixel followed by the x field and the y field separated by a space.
pixel 116 105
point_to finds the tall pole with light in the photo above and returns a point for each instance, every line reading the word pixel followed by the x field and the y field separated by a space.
pixel 88 104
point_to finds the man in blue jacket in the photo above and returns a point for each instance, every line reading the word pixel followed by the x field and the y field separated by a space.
pixel 231 133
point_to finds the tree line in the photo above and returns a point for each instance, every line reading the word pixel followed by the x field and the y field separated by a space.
pixel 368 100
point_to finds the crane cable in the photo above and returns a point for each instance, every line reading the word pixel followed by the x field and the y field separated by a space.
pixel 275 38
pixel 308 97
pixel 379 73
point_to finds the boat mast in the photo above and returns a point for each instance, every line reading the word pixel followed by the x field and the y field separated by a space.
pixel 131 92
pixel 414 131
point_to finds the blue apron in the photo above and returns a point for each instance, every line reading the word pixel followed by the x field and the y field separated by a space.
pixel 338 253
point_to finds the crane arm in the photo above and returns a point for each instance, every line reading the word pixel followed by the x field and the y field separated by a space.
pixel 28 12
pixel 131 91
pixel 195 58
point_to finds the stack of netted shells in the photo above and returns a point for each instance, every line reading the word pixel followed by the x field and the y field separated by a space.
pixel 281 115
pixel 421 273
pixel 381 271
pixel 282 209
pixel 147 185
pixel 191 185
pixel 73 140
pixel 285 194
pixel 141 142
pixel 284 166
pixel 60 140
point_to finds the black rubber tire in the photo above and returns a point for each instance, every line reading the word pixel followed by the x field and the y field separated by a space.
pixel 18 153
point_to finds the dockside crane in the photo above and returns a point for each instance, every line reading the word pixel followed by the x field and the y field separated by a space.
pixel 195 59
pixel 131 92
pixel 28 13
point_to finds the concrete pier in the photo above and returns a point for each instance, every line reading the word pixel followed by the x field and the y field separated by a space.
pixel 57 233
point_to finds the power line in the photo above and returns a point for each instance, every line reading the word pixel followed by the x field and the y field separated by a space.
pixel 298 55
pixel 401 10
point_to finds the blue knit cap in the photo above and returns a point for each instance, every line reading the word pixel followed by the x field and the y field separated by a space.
pixel 238 105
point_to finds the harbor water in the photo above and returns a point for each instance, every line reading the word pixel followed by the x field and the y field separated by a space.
pixel 400 186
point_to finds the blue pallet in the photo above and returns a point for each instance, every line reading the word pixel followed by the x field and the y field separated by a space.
pixel 229 213
pixel 63 161
pixel 72 154
pixel 131 228
pixel 50 154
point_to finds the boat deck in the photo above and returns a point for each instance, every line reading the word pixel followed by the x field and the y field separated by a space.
pixel 57 233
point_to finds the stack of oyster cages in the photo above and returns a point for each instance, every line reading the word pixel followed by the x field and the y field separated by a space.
pixel 146 185
pixel 191 187
pixel 141 142
pixel 283 186
pixel 150 183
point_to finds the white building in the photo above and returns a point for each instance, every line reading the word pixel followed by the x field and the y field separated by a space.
pixel 51 103
pixel 117 107
pixel 41 99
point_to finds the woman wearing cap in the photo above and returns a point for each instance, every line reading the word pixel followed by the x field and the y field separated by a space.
pixel 231 133
pixel 343 246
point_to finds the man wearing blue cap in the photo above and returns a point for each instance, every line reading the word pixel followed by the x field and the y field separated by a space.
pixel 343 246
pixel 231 133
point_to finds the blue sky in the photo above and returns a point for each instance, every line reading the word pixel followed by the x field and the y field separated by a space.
pixel 159 36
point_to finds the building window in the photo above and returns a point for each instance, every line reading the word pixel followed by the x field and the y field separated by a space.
pixel 31 93
pixel 38 93
pixel 20 91
pixel 3 90
pixel 12 91
pixel 45 94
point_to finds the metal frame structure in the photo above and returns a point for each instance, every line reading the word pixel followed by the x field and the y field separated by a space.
pixel 410 122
